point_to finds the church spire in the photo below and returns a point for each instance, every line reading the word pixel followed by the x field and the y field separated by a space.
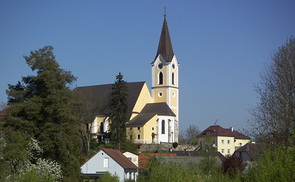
pixel 165 45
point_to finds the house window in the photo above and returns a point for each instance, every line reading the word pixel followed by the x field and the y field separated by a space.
pixel 163 126
pixel 228 151
pixel 173 83
pixel 138 128
pixel 228 141
pixel 161 78
pixel 106 162
pixel 130 137
pixel 130 158
pixel 153 128
pixel 138 137
pixel 130 128
pixel 200 142
pixel 213 142
pixel 222 151
pixel 240 144
pixel 222 141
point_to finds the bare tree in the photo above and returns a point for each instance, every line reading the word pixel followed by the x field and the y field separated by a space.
pixel 189 135
pixel 86 111
pixel 274 115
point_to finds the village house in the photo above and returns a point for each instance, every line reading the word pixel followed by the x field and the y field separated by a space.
pixel 225 141
pixel 250 152
pixel 111 161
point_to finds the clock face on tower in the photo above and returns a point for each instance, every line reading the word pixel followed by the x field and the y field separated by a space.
pixel 160 66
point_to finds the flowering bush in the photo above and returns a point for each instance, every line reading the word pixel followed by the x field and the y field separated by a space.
pixel 36 167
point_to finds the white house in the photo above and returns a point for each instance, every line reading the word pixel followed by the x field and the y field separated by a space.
pixel 133 157
pixel 111 161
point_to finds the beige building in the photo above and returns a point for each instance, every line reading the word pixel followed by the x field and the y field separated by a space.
pixel 225 141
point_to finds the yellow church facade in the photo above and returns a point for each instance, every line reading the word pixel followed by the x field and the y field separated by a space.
pixel 152 115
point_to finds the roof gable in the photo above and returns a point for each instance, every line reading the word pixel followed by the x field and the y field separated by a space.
pixel 217 130
pixel 120 158
pixel 254 150
pixel 117 156
pixel 100 95
pixel 149 111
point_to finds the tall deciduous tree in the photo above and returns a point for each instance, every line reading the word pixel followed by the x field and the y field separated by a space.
pixel 274 116
pixel 39 107
pixel 118 110
pixel 86 110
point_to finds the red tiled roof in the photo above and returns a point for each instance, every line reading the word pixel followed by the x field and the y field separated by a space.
pixel 117 156
pixel 144 158
pixel 120 158
pixel 217 130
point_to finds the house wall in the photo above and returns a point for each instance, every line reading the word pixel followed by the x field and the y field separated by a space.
pixel 96 165
pixel 148 130
pixel 132 156
pixel 226 145
pixel 241 142
pixel 167 136
pixel 210 140
pixel 145 131
pixel 97 123
pixel 244 155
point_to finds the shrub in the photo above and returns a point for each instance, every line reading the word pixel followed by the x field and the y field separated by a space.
pixel 175 144
pixel 233 165
pixel 107 177
pixel 277 164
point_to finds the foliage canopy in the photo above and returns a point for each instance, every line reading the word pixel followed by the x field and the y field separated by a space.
pixel 40 106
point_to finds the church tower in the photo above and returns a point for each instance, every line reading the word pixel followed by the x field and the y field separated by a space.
pixel 165 76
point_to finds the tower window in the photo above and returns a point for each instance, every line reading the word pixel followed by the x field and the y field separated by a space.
pixel 161 78
pixel 173 82
pixel 163 126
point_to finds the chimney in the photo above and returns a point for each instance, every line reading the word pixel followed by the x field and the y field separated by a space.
pixel 232 129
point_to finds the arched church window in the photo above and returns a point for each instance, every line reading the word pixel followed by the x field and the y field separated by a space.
pixel 163 126
pixel 101 127
pixel 161 78
pixel 173 82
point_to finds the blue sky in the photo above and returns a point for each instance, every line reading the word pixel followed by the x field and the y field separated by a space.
pixel 221 46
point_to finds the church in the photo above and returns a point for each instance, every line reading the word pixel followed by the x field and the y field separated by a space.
pixel 152 116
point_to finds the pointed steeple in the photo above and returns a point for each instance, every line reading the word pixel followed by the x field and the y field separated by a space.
pixel 165 47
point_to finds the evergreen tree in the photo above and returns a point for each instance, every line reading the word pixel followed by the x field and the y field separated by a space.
pixel 40 107
pixel 118 110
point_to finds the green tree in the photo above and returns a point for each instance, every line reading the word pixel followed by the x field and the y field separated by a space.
pixel 40 106
pixel 274 116
pixel 118 110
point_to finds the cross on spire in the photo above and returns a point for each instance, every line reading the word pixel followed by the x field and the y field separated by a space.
pixel 165 10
